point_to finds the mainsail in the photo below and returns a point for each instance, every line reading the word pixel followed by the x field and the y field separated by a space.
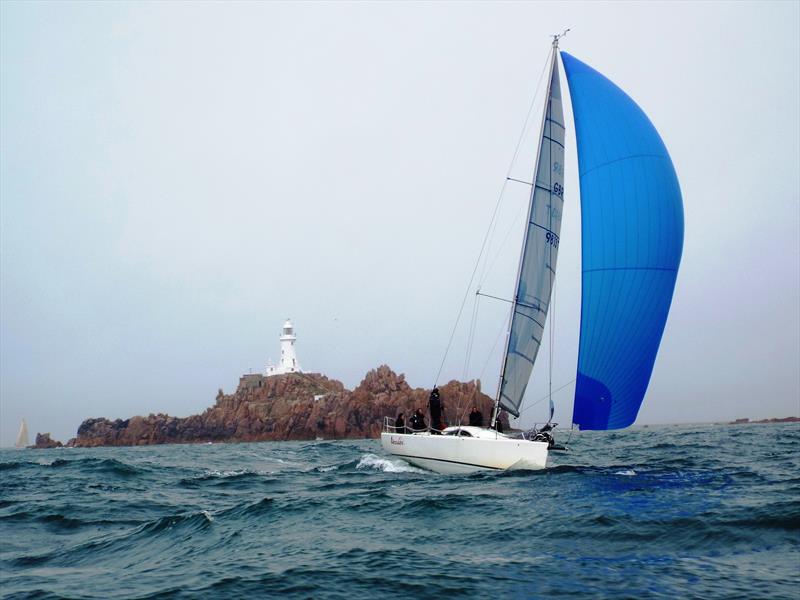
pixel 539 253
pixel 632 238
pixel 22 436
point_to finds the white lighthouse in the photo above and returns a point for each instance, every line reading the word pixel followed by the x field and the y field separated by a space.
pixel 288 362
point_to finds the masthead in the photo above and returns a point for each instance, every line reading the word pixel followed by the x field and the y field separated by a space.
pixel 558 36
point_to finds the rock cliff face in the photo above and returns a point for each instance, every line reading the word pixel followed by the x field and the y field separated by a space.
pixel 297 406
pixel 43 440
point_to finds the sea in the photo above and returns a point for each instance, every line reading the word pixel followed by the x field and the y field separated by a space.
pixel 705 511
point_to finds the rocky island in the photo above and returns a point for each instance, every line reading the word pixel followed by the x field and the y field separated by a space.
pixel 292 406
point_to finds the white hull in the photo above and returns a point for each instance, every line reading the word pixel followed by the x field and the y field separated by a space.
pixel 451 454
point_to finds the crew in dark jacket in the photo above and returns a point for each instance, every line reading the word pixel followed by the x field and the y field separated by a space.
pixel 400 424
pixel 475 417
pixel 413 421
pixel 417 421
pixel 435 406
pixel 498 424
pixel 421 419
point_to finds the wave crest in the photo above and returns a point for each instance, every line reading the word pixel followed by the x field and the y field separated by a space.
pixel 371 461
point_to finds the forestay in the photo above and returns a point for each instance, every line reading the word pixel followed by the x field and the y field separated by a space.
pixel 539 253
pixel 632 238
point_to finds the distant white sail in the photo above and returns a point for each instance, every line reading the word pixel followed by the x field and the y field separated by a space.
pixel 22 436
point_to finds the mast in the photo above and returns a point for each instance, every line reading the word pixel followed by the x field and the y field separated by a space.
pixel 515 299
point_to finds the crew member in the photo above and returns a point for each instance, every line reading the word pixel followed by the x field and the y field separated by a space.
pixel 476 417
pixel 435 406
pixel 420 420
pixel 400 424
pixel 498 424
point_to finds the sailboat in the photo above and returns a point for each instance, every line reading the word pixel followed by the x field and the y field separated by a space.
pixel 632 239
pixel 22 436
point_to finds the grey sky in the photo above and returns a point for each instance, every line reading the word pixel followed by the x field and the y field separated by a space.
pixel 176 179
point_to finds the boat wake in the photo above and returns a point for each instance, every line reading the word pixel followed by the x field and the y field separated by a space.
pixel 370 461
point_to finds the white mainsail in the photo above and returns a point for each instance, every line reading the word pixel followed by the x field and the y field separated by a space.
pixel 22 436
pixel 537 267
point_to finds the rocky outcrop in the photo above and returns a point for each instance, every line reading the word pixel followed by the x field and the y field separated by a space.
pixel 43 441
pixel 746 421
pixel 297 406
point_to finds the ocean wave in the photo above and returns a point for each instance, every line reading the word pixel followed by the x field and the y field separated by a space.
pixel 259 508
pixel 446 502
pixel 187 523
pixel 552 470
pixel 776 515
pixel 373 462
pixel 217 478
pixel 216 474
pixel 110 466
pixel 327 469
pixel 612 518
pixel 56 519
pixel 62 521
pixel 172 527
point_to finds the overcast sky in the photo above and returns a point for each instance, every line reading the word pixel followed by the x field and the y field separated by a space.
pixel 177 179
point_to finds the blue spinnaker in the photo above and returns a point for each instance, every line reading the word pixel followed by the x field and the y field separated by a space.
pixel 632 238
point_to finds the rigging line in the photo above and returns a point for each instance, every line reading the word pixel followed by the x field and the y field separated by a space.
pixel 470 344
pixel 492 223
pixel 523 132
pixel 494 297
pixel 507 237
pixel 471 337
pixel 492 229
pixel 552 336
pixel 459 410
pixel 552 287
pixel 463 413
pixel 489 356
pixel 571 429
pixel 528 116
pixel 546 396
pixel 469 285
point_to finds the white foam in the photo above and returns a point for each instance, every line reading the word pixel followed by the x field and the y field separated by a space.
pixel 627 473
pixel 370 461
pixel 207 515
pixel 216 473
pixel 329 469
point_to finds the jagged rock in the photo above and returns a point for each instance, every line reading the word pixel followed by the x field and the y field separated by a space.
pixel 295 406
pixel 43 441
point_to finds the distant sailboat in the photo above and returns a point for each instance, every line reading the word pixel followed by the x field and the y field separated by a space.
pixel 632 239
pixel 22 436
